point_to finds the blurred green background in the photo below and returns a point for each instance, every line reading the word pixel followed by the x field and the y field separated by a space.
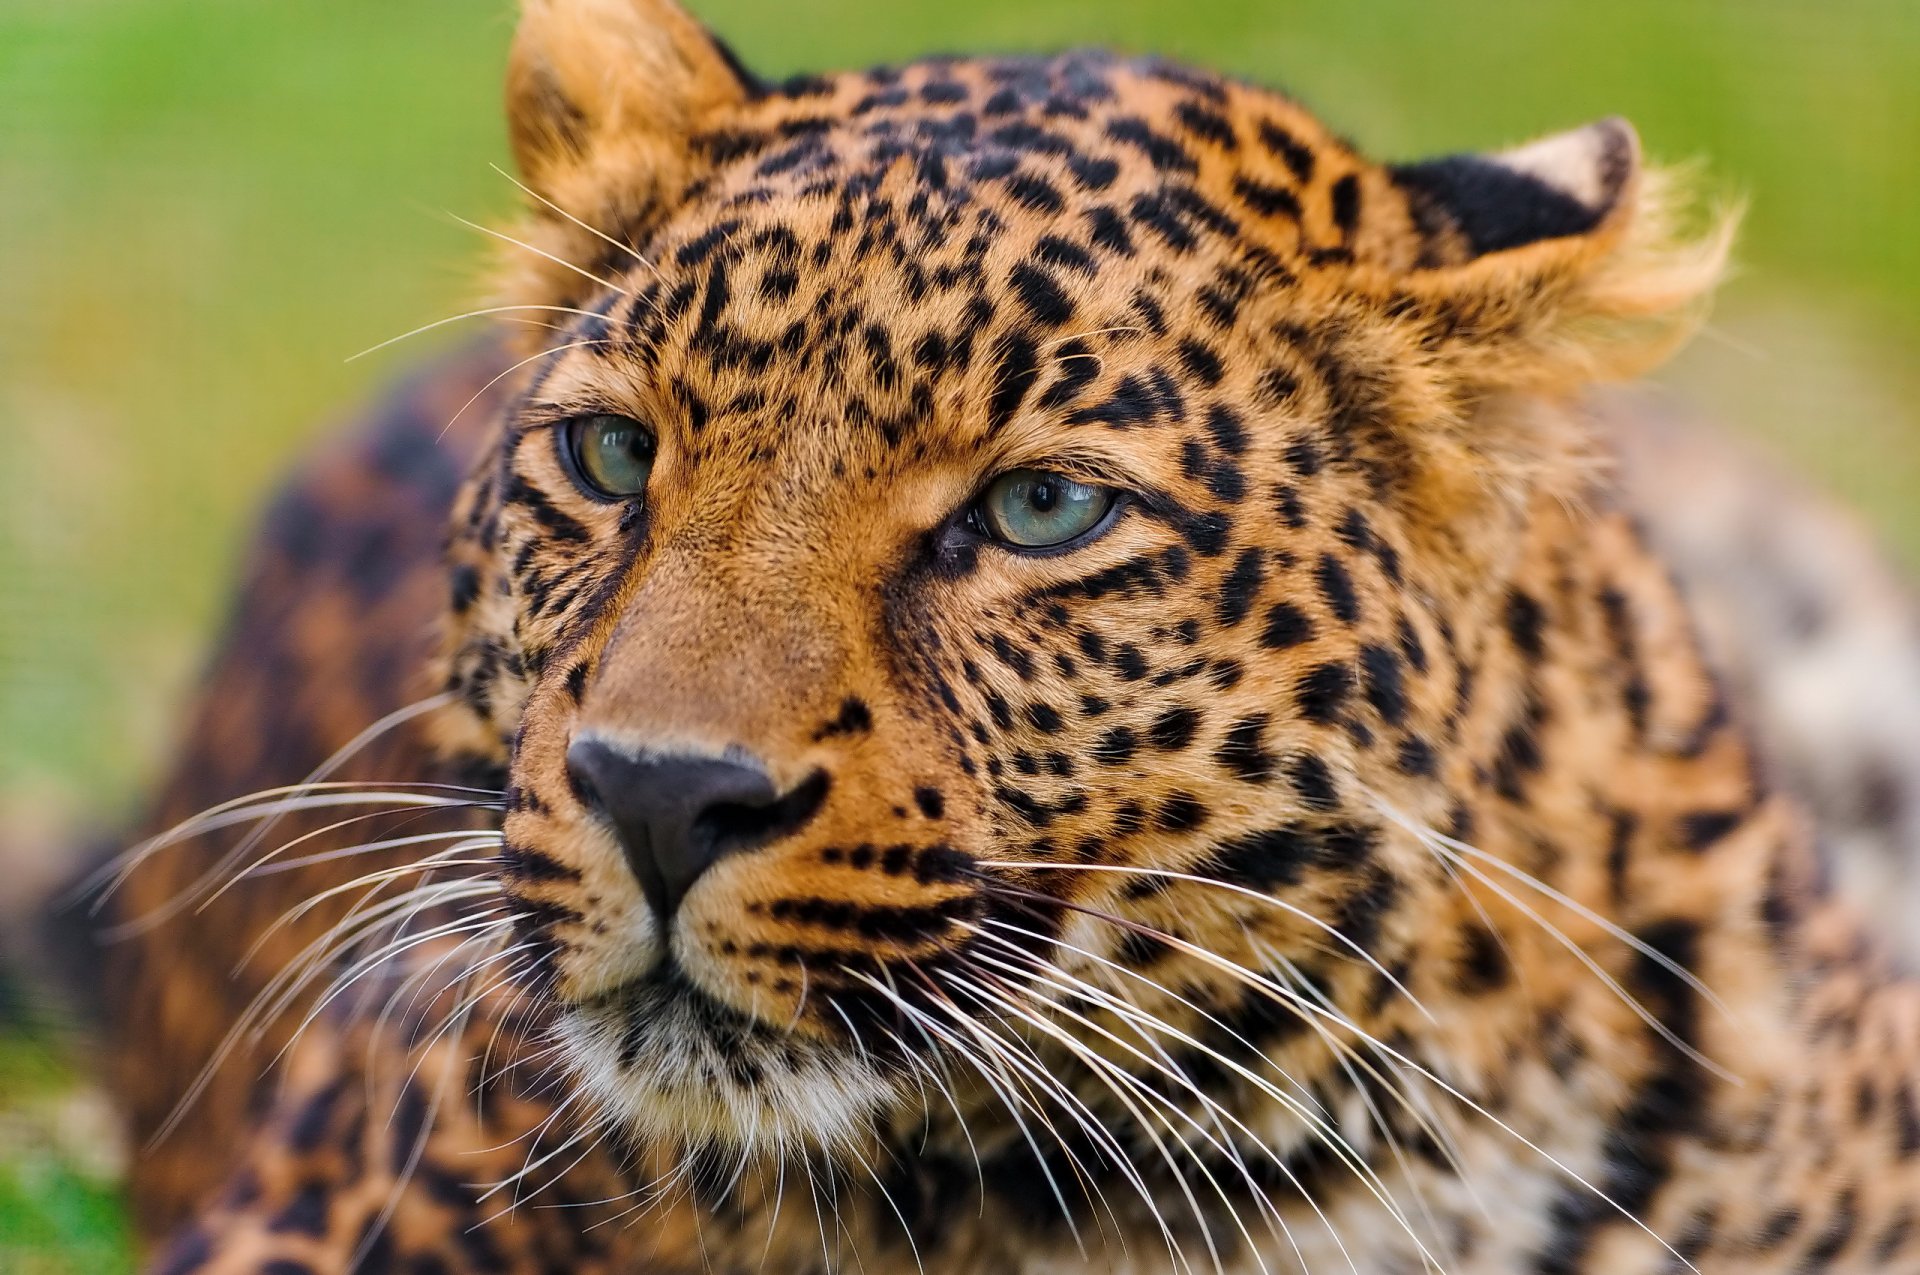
pixel 207 205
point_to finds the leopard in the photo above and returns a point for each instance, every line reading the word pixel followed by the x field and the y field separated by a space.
pixel 1005 665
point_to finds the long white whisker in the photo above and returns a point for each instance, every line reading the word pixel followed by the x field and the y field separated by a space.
pixel 1261 982
pixel 1232 887
pixel 1138 1018
pixel 1432 836
pixel 604 237
pixel 471 314
pixel 564 264
pixel 398 717
pixel 507 371
pixel 1580 954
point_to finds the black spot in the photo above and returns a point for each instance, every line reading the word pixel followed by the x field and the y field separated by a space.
pixel 1241 587
pixel 1297 156
pixel 1108 231
pixel 1044 717
pixel 1313 781
pixel 1041 294
pixel 1181 812
pixel 1136 949
pixel 304 1214
pixel 522 863
pixel 1092 172
pixel 1525 620
pixel 1385 690
pixel 1415 757
pixel 1229 434
pixel 931 803
pixel 1165 154
pixel 1702 829
pixel 1483 962
pixel 1322 692
pixel 1207 124
pixel 1173 729
pixel 1287 626
pixel 1336 585
pixel 577 682
pixel 1264 861
pixel 1116 746
pixel 1346 205
pixel 1201 363
pixel 1287 506
pixel 466 588
pixel 315 1119
pixel 1244 750
pixel 1411 649
pixel 1303 457
pixel 1055 251
pixel 1266 199
pixel 1016 368
pixel 853 719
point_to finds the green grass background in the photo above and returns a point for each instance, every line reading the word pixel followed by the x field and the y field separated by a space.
pixel 207 205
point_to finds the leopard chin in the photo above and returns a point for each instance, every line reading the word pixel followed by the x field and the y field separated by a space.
pixel 662 1060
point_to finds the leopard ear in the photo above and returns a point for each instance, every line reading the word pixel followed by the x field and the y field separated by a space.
pixel 604 98
pixel 1570 184
pixel 1558 263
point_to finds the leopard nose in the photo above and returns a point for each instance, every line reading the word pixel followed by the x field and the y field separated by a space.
pixel 677 815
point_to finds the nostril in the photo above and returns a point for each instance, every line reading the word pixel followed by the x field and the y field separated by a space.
pixel 743 825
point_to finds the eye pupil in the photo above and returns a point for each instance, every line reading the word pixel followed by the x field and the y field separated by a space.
pixel 1036 509
pixel 613 455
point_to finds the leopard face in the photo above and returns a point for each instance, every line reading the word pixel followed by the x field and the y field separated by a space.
pixel 989 550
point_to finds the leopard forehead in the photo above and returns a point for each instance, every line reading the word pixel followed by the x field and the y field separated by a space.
pixel 956 247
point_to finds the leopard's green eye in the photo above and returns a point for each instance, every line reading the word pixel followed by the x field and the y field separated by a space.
pixel 1035 509
pixel 612 454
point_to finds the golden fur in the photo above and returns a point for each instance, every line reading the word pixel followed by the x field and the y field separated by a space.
pixel 1341 858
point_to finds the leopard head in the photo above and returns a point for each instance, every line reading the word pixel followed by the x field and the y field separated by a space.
pixel 979 545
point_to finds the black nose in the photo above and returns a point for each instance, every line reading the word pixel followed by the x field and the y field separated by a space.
pixel 678 815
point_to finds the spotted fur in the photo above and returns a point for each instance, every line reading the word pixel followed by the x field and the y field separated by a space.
pixel 1343 859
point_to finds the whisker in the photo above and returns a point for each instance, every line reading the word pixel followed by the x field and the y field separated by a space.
pixel 1434 842
pixel 340 756
pixel 1232 887
pixel 379 877
pixel 1266 985
pixel 268 804
pixel 986 1069
pixel 412 1165
pixel 627 248
pixel 471 314
pixel 1654 954
pixel 246 1027
pixel 1138 1018
pixel 1109 1073
pixel 509 370
pixel 564 264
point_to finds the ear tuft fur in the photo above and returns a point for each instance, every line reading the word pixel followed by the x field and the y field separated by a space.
pixel 1559 263
pixel 605 99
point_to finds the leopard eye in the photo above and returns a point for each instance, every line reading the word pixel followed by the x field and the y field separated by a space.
pixel 1035 509
pixel 612 455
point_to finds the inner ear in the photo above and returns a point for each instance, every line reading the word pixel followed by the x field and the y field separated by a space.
pixel 1567 185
